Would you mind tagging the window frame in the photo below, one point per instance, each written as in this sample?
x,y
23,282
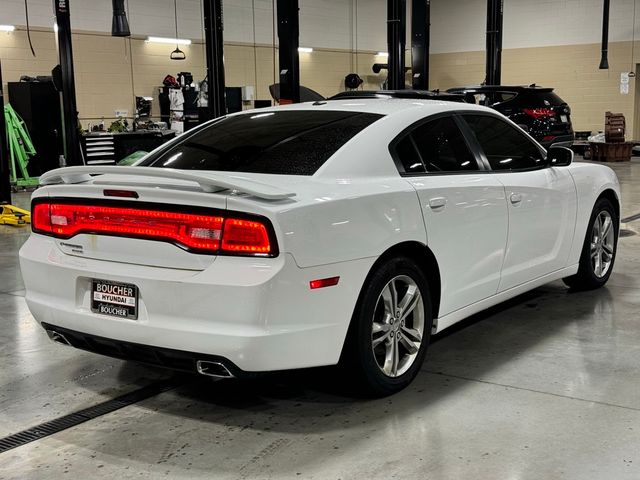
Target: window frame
x,y
468,131
480,162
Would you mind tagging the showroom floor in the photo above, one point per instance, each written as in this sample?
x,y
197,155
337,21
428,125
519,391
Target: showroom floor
x,y
544,387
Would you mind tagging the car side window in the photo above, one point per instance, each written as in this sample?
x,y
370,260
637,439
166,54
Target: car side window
x,y
408,156
442,146
505,147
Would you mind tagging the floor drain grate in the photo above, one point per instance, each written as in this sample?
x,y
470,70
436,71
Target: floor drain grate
x,y
62,423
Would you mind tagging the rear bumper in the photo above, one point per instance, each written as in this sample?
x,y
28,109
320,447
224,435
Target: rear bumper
x,y
559,141
257,314
178,360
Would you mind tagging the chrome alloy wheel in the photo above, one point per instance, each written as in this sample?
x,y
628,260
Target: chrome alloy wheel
x,y
602,244
398,326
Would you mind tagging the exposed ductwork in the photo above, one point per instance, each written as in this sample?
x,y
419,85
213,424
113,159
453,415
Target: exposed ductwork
x,y
119,25
604,59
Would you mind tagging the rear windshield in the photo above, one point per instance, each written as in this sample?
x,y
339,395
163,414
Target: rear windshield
x,y
285,142
537,99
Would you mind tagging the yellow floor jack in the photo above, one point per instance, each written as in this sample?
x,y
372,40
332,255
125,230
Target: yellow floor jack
x,y
10,215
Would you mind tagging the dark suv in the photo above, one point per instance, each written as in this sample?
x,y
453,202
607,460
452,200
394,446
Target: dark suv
x,y
539,111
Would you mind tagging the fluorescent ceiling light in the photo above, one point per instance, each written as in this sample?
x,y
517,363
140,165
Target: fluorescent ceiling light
x,y
171,41
305,49
383,54
7,28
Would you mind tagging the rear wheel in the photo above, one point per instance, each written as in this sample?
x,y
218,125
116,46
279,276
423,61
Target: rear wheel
x,y
390,329
598,250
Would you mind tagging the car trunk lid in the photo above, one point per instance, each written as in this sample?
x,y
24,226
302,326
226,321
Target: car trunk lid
x,y
145,216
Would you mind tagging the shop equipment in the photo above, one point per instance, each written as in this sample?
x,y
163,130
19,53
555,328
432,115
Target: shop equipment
x,y
10,215
20,149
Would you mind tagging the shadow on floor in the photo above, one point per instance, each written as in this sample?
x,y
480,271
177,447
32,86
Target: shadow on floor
x,y
312,400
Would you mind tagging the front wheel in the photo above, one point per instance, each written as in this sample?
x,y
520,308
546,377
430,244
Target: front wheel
x,y
390,328
598,250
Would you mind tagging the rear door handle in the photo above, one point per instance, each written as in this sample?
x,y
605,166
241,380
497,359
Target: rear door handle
x,y
437,202
515,198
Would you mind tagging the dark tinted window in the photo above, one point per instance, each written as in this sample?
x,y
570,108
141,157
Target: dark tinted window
x,y
442,146
505,147
541,99
285,142
408,156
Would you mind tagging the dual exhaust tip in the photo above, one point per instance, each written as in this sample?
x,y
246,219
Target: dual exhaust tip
x,y
213,369
204,367
58,338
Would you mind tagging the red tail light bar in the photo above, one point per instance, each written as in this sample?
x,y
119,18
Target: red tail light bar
x,y
540,112
220,232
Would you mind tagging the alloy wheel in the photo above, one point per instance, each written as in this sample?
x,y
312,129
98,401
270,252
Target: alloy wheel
x,y
398,326
602,244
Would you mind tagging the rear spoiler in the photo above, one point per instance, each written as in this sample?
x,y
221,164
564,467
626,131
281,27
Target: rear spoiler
x,y
208,182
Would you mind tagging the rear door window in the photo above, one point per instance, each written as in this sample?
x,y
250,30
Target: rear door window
x,y
442,146
505,147
284,142
436,146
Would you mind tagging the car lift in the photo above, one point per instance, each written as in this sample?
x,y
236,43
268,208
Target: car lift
x,y
20,149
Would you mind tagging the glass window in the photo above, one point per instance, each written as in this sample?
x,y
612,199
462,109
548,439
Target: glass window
x,y
505,147
408,156
285,142
442,146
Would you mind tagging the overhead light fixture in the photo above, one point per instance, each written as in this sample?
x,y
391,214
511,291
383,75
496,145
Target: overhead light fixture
x,y
170,41
177,54
7,28
119,25
382,54
305,49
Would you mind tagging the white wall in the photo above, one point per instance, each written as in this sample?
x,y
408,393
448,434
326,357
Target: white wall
x,y
459,25
323,23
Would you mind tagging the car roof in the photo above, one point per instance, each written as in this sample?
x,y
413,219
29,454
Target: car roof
x,y
381,106
501,88
407,93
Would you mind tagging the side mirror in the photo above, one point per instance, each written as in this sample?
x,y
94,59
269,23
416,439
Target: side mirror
x,y
559,156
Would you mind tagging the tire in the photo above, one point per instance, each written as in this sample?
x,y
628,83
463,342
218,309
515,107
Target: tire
x,y
591,274
376,371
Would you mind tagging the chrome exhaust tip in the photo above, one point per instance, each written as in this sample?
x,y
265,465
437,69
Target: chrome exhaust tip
x,y
58,338
213,369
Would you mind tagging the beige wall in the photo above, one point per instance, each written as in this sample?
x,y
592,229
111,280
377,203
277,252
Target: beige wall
x,y
109,71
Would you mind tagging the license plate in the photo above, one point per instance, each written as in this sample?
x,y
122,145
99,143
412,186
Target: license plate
x,y
114,299
563,118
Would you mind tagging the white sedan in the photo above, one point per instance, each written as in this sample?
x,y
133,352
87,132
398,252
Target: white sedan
x,y
339,232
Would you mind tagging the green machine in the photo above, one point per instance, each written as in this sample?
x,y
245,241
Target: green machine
x,y
21,149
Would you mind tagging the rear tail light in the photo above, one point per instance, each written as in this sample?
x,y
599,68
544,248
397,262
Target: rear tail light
x,y
540,112
199,233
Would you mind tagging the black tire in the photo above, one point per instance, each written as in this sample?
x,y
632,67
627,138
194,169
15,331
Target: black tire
x,y
358,357
586,278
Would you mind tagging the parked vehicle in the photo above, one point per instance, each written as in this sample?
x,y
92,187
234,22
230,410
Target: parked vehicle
x,y
537,110
339,232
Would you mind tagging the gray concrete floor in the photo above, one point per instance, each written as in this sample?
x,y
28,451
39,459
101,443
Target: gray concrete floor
x,y
546,386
